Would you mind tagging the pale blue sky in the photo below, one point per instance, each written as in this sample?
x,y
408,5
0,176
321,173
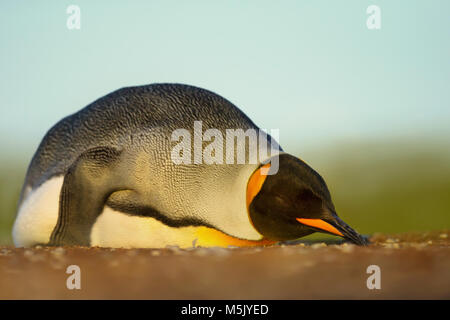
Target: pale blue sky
x,y
310,68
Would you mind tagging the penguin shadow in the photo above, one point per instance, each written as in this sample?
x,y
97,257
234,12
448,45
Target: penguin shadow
x,y
326,241
304,242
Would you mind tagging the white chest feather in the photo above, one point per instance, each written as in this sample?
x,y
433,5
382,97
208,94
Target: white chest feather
x,y
38,214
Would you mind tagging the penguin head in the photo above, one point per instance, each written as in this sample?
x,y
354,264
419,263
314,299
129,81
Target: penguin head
x,y
293,203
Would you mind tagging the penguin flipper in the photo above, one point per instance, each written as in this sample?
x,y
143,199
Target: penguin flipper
x,y
87,184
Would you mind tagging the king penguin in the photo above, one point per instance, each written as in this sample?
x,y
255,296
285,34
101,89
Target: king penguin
x,y
105,176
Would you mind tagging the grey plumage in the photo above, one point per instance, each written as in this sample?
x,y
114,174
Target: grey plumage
x,y
123,117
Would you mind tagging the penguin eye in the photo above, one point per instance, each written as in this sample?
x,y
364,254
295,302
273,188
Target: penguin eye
x,y
280,200
282,204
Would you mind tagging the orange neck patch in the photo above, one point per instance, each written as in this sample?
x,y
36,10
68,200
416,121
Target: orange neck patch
x,y
255,183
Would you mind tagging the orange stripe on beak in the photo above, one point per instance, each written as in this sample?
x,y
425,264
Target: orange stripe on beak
x,y
320,224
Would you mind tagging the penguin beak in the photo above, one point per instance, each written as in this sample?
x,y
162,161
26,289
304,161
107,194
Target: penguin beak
x,y
337,227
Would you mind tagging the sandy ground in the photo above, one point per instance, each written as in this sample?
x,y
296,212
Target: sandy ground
x,y
413,266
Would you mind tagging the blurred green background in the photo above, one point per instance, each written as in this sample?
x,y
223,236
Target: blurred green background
x,y
368,109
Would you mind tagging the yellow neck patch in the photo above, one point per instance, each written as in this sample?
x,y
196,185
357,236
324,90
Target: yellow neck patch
x,y
208,237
